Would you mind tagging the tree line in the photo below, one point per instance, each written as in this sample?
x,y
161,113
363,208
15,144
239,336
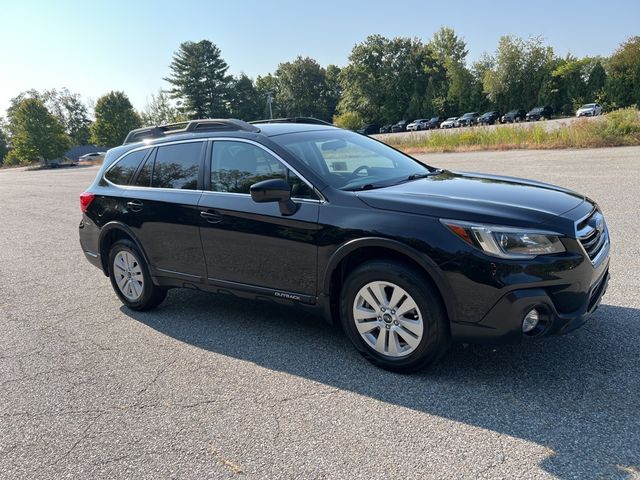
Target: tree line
x,y
385,80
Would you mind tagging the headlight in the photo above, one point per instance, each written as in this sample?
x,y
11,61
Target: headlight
x,y
506,242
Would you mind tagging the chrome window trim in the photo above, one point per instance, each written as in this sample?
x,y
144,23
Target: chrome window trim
x,y
322,198
245,195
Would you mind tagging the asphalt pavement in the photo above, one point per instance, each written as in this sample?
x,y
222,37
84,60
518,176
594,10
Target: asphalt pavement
x,y
213,387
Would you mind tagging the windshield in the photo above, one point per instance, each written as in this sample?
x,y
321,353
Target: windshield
x,y
349,161
588,105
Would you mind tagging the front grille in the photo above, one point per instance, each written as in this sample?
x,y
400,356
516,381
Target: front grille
x,y
591,232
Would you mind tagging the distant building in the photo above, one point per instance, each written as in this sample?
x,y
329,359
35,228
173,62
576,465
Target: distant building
x,y
76,152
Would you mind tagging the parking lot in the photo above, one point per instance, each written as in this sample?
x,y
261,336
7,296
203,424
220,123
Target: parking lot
x,y
212,387
547,124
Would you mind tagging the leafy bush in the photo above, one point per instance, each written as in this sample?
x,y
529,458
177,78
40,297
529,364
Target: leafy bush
x,y
349,120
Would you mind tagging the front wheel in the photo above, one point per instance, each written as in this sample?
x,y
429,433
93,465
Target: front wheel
x,y
393,316
130,277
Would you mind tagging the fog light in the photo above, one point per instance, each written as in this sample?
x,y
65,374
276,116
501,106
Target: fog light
x,y
530,321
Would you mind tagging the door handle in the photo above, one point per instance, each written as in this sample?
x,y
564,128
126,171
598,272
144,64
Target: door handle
x,y
211,217
135,206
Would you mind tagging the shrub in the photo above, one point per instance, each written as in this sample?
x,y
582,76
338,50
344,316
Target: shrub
x,y
349,120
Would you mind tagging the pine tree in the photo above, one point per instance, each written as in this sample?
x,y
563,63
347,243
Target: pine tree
x,y
200,81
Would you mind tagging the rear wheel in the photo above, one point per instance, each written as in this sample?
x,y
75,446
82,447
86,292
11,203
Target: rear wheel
x,y
131,279
393,316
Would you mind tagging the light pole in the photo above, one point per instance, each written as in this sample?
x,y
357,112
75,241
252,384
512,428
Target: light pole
x,y
269,102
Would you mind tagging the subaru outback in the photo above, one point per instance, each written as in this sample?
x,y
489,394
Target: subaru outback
x,y
405,256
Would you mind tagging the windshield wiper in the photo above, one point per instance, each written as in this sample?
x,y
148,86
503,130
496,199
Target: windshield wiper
x,y
417,176
366,186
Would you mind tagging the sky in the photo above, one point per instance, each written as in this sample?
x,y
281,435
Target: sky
x,y
93,47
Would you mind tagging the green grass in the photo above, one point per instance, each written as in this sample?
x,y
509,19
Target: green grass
x,y
619,128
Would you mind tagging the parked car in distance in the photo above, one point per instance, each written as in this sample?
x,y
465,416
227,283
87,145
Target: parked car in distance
x,y
468,119
92,157
450,122
419,124
489,118
514,116
590,110
540,113
434,122
369,129
406,256
386,128
401,126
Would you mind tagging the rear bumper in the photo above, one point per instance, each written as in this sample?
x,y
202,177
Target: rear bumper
x,y
94,258
88,234
503,323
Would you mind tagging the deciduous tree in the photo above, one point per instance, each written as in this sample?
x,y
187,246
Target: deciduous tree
x,y
383,79
4,148
302,89
115,117
160,111
623,86
245,102
521,68
67,107
36,135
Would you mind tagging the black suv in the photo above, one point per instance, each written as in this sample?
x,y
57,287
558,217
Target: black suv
x,y
407,257
434,122
514,116
540,113
489,118
469,119
370,129
400,126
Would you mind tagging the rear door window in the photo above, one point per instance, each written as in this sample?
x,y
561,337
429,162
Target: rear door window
x,y
177,166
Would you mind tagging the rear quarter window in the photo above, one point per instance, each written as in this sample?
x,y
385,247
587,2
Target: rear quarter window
x,y
122,171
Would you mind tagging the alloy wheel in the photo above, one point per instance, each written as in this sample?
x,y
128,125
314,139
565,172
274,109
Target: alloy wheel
x,y
128,275
388,319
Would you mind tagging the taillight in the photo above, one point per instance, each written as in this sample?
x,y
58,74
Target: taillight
x,y
85,200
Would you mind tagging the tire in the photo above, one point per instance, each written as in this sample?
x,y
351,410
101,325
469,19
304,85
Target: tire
x,y
130,277
411,340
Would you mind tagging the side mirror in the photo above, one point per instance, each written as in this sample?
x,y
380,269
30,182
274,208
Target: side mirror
x,y
274,190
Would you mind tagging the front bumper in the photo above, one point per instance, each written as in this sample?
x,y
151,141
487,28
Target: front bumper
x,y
503,323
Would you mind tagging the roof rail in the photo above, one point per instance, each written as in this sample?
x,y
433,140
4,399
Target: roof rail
x,y
310,120
192,126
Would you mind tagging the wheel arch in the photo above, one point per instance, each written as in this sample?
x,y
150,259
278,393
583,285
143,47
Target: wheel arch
x,y
356,252
111,233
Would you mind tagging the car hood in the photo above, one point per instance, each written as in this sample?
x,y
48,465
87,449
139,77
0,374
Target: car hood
x,y
587,109
482,198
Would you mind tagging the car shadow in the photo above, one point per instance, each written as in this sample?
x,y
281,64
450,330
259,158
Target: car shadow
x,y
576,395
